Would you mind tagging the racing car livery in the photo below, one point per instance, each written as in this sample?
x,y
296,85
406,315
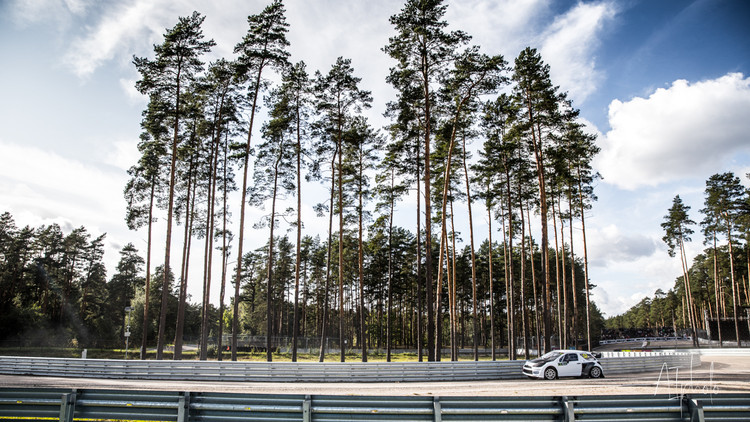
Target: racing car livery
x,y
564,363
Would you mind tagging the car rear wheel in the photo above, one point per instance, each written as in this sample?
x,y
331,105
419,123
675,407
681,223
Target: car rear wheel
x,y
550,373
595,372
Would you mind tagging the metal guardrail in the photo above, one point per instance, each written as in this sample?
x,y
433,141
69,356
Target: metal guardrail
x,y
629,363
110,405
714,350
721,351
312,371
642,339
262,371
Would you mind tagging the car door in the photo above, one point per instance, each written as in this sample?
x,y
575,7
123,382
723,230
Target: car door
x,y
569,365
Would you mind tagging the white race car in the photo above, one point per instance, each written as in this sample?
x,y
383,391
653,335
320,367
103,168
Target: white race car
x,y
563,363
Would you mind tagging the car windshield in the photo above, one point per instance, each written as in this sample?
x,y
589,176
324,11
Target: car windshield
x,y
551,356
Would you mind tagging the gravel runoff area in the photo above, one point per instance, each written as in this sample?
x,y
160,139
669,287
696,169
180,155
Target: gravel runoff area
x,y
716,374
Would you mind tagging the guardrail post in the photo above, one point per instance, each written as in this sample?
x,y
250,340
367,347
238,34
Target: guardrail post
x,y
438,413
568,409
67,406
306,413
183,407
696,409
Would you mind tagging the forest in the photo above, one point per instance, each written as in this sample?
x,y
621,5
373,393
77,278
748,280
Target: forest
x,y
716,284
467,130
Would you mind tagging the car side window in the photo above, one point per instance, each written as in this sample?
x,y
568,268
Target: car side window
x,y
570,357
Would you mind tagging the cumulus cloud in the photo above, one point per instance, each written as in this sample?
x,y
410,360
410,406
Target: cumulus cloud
x,y
61,11
569,46
58,186
499,26
356,31
609,244
114,34
684,130
132,94
127,28
39,187
568,43
123,154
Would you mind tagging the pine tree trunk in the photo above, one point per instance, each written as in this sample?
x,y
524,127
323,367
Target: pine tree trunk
x,y
539,155
557,278
735,292
716,292
208,260
574,290
473,258
224,259
168,246
324,312
341,242
183,270
269,281
420,346
689,295
388,330
564,332
585,263
510,293
438,296
295,324
360,262
534,285
144,336
240,241
433,350
453,292
491,281
524,312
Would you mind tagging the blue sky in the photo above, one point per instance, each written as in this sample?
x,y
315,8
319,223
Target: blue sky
x,y
665,85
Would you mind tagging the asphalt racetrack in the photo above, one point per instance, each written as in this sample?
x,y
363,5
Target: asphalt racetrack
x,y
716,374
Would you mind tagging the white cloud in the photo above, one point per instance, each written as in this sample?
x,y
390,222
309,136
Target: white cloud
x,y
569,44
122,154
58,187
61,11
77,7
40,188
114,34
626,267
125,29
345,29
686,130
499,26
611,245
128,87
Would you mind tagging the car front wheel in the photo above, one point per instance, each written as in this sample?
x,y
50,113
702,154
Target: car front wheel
x,y
550,374
595,372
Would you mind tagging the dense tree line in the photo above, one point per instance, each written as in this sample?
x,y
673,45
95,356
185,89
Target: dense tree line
x,y
54,286
369,281
715,284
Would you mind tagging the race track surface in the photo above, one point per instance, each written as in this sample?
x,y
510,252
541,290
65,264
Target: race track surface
x,y
716,374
